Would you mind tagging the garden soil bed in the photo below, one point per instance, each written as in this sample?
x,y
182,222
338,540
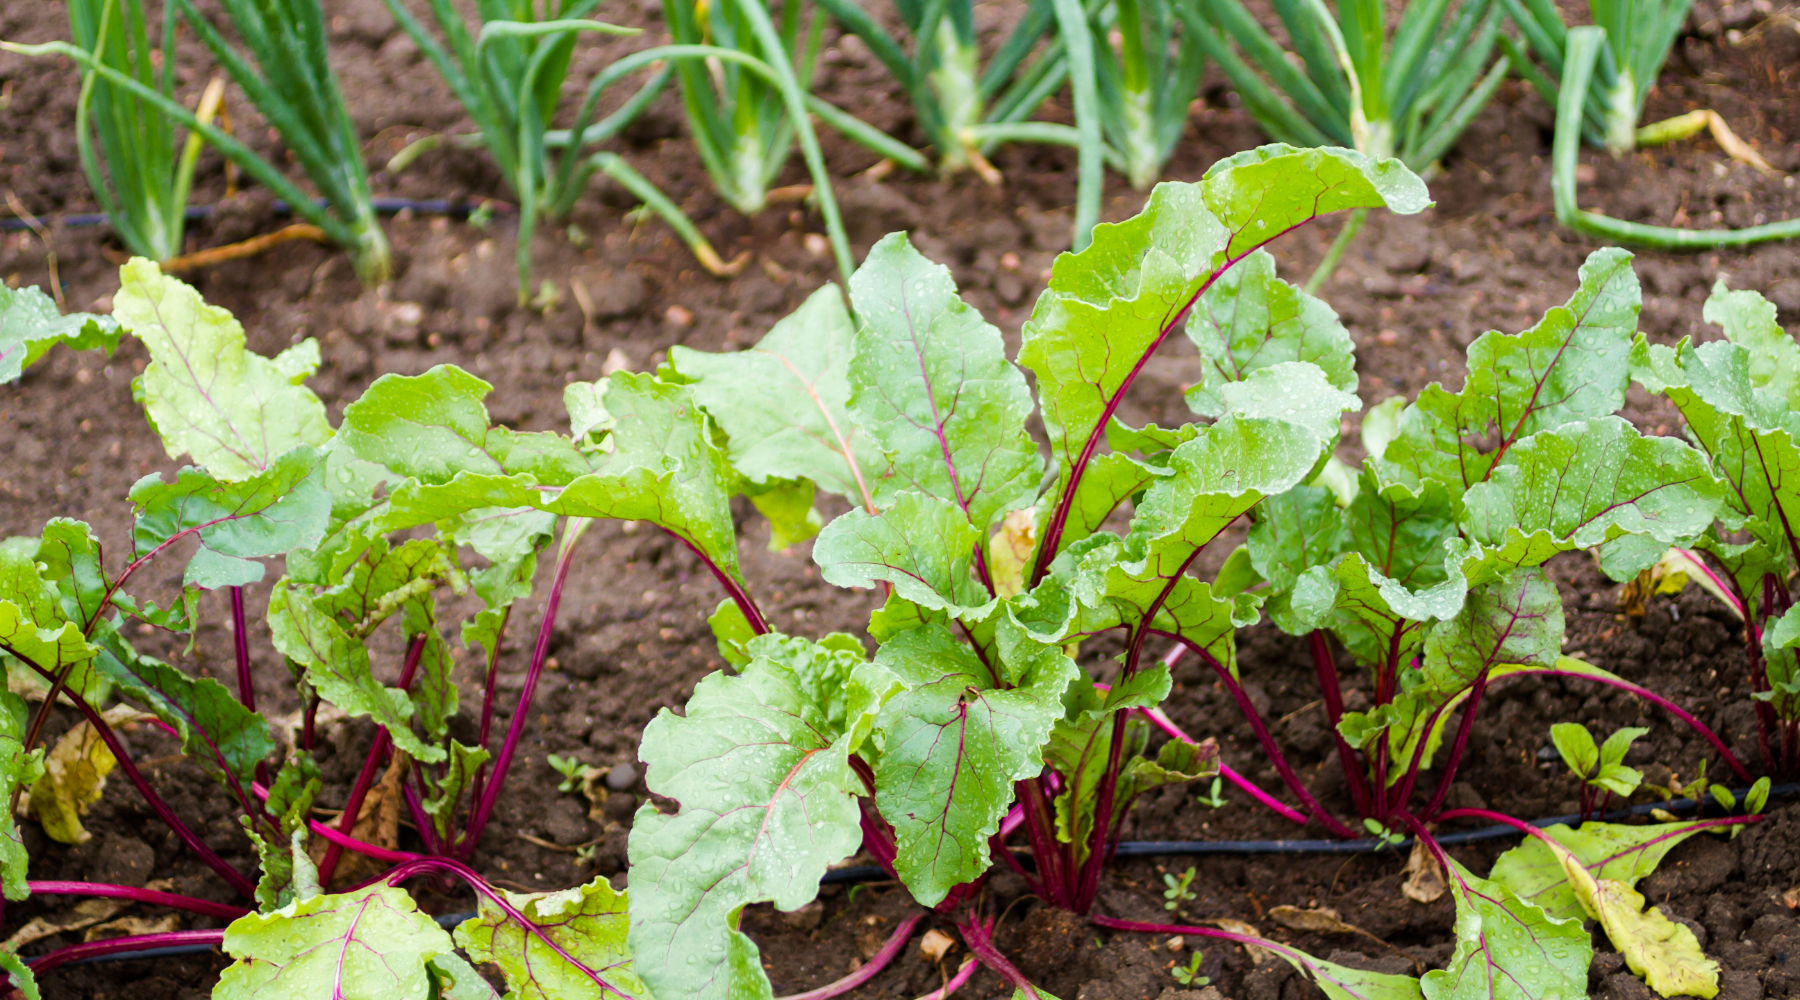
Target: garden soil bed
x,y
632,639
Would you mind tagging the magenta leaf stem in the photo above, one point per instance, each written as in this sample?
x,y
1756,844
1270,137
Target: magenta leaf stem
x,y
419,866
487,696
205,907
132,943
957,982
977,935
1454,761
241,645
1332,691
735,590
1267,739
490,792
896,943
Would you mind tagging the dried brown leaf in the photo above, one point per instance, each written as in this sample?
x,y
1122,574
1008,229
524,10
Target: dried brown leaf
x,y
1424,877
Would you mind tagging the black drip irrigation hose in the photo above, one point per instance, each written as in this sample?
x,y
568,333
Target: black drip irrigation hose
x,y
1131,849
387,206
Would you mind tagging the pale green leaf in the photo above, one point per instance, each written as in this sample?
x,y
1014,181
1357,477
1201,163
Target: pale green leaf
x,y
373,942
234,411
18,769
289,808
30,324
1507,948
1515,619
784,402
767,804
463,764
574,946
930,384
1749,321
1613,851
1576,746
265,513
921,544
952,744
1250,320
789,508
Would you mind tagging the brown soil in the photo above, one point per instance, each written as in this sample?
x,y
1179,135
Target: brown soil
x,y
632,640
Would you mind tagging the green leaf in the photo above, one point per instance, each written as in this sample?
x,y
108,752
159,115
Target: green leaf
x,y
1295,391
217,732
951,747
789,508
1570,366
1379,618
930,384
784,403
731,631
1617,745
1587,483
1576,746
1081,742
1261,193
337,665
464,762
1249,320
1507,948
1515,619
289,806
1613,851
576,943
30,324
1749,321
664,468
921,544
433,426
455,979
18,769
369,943
1294,531
264,514
234,411
1340,982
768,803
22,978
35,621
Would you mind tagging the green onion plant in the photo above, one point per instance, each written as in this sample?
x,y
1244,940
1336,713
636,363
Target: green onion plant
x,y
287,76
1585,49
141,173
1639,35
1346,82
1144,85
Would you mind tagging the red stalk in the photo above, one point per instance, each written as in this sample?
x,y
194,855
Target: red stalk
x,y
490,792
1263,736
113,946
241,644
975,934
365,779
487,699
957,982
1332,691
1045,850
896,943
1454,761
153,897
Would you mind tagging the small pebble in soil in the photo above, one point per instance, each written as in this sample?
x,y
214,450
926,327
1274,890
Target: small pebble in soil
x,y
621,777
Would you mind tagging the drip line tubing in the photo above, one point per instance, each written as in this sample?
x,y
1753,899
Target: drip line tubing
x,y
1138,849
388,206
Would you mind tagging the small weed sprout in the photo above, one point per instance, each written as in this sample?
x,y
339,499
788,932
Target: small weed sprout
x,y
1214,797
574,772
1178,892
1380,831
1189,974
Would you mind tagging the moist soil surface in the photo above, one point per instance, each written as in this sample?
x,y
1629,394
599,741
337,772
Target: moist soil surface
x,y
631,639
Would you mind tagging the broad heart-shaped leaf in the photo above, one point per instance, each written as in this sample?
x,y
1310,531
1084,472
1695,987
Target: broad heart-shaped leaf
x,y
432,426
30,325
36,624
1507,948
1250,320
356,516
1109,306
1662,951
768,803
1624,854
1570,366
1749,321
1515,619
921,544
1294,531
264,514
952,744
664,468
783,403
587,923
369,943
235,412
217,732
337,666
930,384
1584,484
289,807
1401,531
18,769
